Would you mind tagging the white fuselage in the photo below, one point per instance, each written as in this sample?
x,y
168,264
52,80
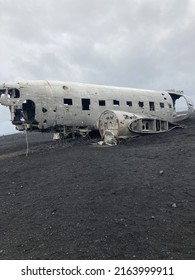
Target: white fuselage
x,y
54,105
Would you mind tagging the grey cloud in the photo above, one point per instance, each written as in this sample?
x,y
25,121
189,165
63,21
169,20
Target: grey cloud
x,y
135,43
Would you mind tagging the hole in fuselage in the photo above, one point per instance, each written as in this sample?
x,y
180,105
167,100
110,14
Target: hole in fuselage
x,y
28,108
181,105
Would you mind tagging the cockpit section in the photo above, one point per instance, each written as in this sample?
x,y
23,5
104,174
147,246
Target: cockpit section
x,y
22,111
10,93
2,92
8,96
3,97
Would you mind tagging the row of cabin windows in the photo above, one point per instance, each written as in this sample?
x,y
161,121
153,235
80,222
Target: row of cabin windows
x,y
86,103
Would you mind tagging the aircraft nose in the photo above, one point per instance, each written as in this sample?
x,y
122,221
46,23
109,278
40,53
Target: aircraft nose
x,y
3,96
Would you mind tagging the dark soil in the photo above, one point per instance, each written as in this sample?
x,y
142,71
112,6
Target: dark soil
x,y
79,200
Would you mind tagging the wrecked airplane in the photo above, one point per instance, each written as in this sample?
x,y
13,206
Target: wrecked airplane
x,y
64,108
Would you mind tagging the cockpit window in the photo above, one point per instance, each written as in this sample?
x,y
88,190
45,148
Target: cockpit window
x,y
13,93
2,92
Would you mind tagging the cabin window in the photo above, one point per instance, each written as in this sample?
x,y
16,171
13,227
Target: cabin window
x,y
141,104
162,105
116,102
102,103
129,103
67,101
85,104
151,104
13,93
170,106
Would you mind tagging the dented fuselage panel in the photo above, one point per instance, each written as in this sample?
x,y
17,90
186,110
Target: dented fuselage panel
x,y
63,107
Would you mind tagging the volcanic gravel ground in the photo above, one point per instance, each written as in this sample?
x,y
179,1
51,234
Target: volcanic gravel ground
x,y
79,200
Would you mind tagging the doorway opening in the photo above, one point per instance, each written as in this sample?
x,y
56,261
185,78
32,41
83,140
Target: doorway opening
x,y
28,108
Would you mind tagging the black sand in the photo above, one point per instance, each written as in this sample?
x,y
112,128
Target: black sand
x,y
78,200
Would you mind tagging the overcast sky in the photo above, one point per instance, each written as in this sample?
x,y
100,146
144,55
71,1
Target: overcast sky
x,y
134,43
